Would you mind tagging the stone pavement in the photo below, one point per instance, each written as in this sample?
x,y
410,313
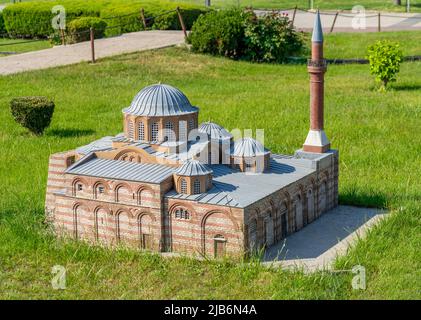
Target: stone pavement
x,y
318,244
389,21
70,54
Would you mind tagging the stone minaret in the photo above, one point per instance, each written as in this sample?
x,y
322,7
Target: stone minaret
x,y
316,139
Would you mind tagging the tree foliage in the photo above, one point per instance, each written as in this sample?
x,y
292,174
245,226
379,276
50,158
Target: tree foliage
x,y
385,58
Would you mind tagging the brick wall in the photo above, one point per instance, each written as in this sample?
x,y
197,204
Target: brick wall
x,y
197,233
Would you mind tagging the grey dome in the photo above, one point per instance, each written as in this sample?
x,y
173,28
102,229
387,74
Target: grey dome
x,y
193,168
248,147
214,131
160,100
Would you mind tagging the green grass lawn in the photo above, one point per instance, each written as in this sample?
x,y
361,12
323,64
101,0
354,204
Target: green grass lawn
x,y
378,135
14,46
304,4
354,45
321,4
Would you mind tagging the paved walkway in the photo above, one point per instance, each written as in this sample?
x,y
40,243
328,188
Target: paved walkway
x,y
318,244
70,54
347,21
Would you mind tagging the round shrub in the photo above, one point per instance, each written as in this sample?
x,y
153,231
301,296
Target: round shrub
x,y
220,33
33,113
244,35
78,29
271,38
385,58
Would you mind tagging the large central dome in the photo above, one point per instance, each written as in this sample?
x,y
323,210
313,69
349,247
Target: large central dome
x,y
160,100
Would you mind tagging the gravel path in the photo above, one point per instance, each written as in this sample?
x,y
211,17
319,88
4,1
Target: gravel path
x,y
70,54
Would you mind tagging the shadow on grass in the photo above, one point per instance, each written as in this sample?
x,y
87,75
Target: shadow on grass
x,y
68,133
355,198
406,87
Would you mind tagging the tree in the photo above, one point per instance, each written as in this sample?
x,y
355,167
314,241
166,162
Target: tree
x,y
385,58
397,2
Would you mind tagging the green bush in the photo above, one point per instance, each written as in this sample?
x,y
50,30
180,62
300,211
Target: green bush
x,y
220,33
271,39
2,26
241,34
78,30
33,113
385,58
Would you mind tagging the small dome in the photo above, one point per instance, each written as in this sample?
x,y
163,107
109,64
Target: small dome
x,y
214,131
193,168
160,100
248,147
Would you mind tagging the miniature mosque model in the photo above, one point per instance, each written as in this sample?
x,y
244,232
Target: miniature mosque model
x,y
168,184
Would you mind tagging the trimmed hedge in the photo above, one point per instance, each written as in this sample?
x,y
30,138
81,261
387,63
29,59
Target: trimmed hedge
x,y
78,29
33,113
126,18
33,19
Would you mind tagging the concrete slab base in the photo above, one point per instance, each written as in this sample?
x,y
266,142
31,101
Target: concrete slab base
x,y
316,246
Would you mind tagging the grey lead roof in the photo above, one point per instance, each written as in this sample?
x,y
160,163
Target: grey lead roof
x,y
317,29
248,147
193,168
121,170
238,189
102,144
160,100
214,131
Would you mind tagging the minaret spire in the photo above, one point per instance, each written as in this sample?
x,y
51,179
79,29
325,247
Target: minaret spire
x,y
316,139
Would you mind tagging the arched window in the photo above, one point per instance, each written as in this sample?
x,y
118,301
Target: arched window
x,y
169,131
99,190
182,130
183,186
250,164
141,131
196,187
154,131
130,129
191,124
182,214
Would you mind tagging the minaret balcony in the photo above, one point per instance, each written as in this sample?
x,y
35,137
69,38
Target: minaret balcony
x,y
317,64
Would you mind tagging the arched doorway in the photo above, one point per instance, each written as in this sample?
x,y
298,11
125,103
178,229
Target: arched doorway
x,y
104,227
219,246
281,230
269,236
323,197
145,232
253,235
298,212
310,206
